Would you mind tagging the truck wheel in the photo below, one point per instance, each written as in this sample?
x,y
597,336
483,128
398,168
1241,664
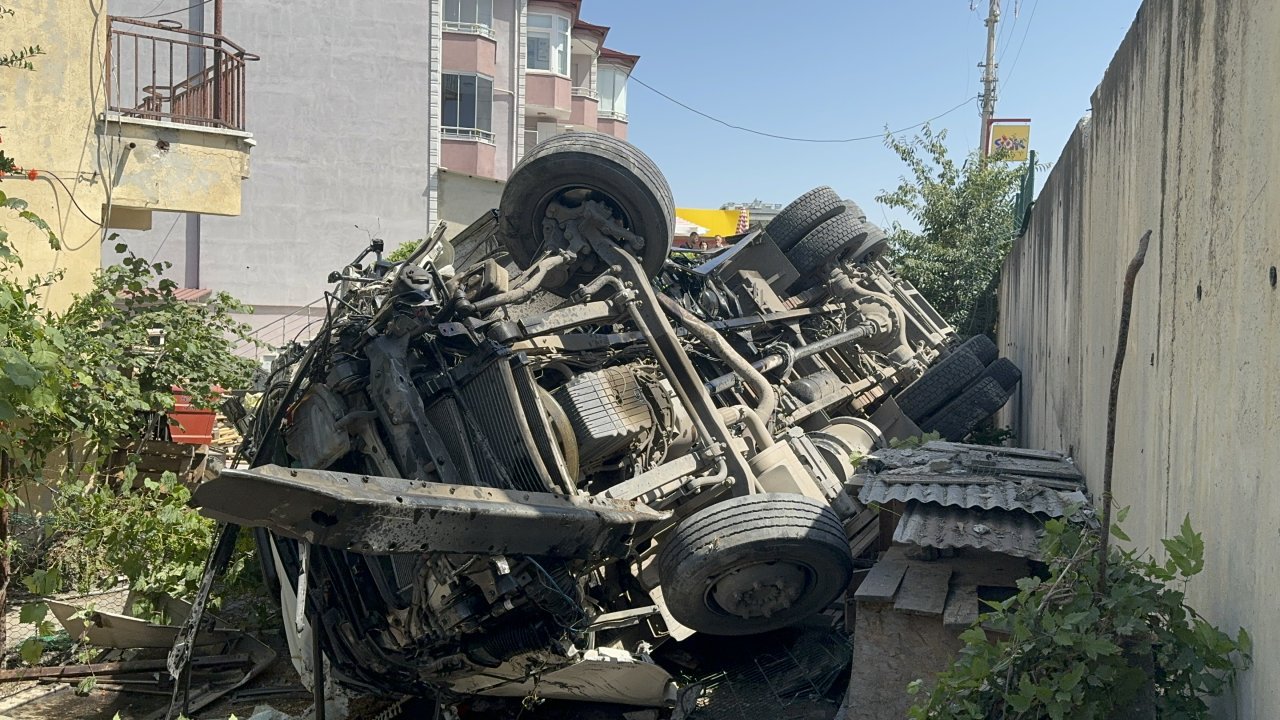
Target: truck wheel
x,y
826,242
1004,372
573,168
939,384
873,246
754,564
954,421
803,215
981,347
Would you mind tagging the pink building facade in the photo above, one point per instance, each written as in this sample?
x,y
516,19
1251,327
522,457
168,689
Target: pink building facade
x,y
507,74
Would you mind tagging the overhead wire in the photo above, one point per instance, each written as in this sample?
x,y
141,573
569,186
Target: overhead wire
x,y
793,138
170,12
1021,42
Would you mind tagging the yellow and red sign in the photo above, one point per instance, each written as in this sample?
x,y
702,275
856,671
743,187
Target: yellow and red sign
x,y
1013,140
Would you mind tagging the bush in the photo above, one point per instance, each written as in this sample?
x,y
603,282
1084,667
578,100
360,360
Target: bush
x,y
1060,649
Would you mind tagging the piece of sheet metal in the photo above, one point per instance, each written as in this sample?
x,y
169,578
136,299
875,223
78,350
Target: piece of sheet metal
x,y
377,515
1006,495
1014,533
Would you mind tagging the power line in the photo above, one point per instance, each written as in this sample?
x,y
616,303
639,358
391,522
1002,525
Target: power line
x,y
171,12
1018,54
791,138
1013,27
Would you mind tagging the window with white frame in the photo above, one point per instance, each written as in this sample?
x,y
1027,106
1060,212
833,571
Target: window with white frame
x,y
611,82
469,16
548,43
467,106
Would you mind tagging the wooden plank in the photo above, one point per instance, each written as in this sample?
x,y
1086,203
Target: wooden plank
x,y
881,583
990,479
1036,468
859,522
864,539
962,607
944,446
924,590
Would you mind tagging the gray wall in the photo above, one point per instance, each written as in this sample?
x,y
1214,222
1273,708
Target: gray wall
x,y
338,107
1183,140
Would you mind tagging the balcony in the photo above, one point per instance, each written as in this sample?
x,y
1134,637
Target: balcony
x,y
175,113
162,71
586,102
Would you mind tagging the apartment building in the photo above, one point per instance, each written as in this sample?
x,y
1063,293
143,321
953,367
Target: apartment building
x,y
380,120
513,73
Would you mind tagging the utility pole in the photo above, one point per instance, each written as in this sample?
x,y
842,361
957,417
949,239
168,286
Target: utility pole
x,y
989,76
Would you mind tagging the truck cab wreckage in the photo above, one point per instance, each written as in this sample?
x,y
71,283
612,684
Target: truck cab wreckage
x,y
518,470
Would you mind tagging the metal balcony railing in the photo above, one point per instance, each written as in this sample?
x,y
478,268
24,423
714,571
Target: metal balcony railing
x,y
585,92
163,71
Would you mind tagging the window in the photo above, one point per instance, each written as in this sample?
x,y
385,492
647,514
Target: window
x,y
469,16
467,107
613,91
548,43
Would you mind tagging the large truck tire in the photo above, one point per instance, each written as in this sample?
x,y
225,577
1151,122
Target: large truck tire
x,y
825,243
960,416
982,348
946,379
803,215
754,563
572,168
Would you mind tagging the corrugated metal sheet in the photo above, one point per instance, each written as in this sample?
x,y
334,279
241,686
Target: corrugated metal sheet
x,y
1012,533
1028,496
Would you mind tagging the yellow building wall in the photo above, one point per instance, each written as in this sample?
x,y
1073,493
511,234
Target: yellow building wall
x,y
717,222
54,122
49,116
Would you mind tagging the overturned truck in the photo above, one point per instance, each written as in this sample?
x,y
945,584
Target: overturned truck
x,y
516,464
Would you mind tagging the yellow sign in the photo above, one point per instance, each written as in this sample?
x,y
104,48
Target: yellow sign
x,y
1013,140
717,222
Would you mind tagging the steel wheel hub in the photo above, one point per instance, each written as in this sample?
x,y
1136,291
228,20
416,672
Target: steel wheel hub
x,y
759,590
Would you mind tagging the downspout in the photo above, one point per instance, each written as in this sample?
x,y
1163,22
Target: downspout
x,y
195,66
519,67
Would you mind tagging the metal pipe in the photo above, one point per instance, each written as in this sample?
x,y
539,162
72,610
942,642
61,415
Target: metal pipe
x,y
856,333
524,289
771,361
748,417
766,396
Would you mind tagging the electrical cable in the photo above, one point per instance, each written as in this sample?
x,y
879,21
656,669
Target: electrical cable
x,y
71,195
753,131
1021,43
171,12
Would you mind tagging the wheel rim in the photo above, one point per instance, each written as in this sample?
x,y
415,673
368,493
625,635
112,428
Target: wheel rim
x,y
760,590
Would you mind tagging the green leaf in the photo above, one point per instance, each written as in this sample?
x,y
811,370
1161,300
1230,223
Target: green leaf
x,y
31,650
1118,533
33,612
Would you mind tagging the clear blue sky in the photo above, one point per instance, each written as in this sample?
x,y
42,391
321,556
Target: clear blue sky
x,y
843,68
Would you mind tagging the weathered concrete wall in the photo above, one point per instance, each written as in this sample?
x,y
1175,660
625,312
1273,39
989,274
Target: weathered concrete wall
x,y
1183,140
338,107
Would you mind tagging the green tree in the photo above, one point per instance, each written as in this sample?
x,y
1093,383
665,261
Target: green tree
x,y
966,218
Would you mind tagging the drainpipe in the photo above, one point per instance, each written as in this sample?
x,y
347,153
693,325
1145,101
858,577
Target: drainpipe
x,y
195,66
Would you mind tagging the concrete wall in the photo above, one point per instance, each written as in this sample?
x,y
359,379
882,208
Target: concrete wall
x,y
338,105
1183,140
464,198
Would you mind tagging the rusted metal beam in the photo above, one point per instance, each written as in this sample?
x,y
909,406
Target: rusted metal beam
x,y
117,668
376,515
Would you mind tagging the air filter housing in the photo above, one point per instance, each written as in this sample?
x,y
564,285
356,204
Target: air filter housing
x,y
608,411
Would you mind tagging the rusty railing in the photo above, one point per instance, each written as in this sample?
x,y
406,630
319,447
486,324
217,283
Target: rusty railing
x,y
163,71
